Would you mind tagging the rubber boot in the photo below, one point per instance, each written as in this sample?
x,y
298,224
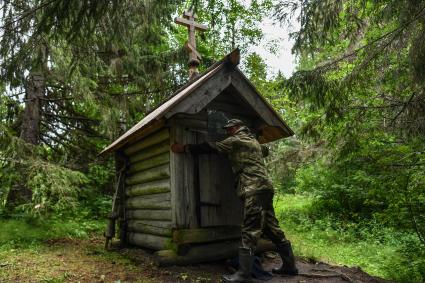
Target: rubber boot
x,y
288,260
245,267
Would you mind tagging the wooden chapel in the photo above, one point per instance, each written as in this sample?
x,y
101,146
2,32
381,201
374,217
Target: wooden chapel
x,y
185,207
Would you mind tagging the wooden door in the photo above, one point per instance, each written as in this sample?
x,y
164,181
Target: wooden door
x,y
218,202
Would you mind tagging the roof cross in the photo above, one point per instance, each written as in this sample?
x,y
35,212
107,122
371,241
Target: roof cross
x,y
188,20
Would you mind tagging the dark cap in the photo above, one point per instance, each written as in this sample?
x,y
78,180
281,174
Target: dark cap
x,y
233,122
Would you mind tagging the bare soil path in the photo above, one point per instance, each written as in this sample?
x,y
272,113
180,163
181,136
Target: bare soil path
x,y
66,260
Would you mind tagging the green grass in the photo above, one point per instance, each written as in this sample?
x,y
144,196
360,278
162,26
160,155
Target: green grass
x,y
374,248
31,232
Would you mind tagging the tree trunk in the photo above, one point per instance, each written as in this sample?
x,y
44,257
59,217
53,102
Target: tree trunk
x,y
19,193
30,131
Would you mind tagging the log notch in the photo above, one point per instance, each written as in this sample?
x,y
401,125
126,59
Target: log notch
x,y
147,191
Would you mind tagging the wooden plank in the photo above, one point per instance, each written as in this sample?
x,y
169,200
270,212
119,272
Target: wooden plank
x,y
154,242
152,174
182,183
151,151
155,201
148,141
231,204
159,228
219,202
154,223
147,214
154,187
206,235
209,193
207,252
150,163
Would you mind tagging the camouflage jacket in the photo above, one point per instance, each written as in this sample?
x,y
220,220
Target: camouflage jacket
x,y
247,158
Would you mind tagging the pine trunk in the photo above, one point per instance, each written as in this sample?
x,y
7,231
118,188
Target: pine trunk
x,y
30,131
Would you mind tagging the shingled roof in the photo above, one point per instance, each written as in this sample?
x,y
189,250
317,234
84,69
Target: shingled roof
x,y
160,112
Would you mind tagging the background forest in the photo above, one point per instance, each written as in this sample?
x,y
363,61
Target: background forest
x,y
75,75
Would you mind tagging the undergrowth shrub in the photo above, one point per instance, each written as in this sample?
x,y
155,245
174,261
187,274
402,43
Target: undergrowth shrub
x,y
380,250
55,188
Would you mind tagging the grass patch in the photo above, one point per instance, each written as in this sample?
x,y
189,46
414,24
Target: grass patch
x,y
30,232
376,249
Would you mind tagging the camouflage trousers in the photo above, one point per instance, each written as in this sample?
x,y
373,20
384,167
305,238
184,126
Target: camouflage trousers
x,y
259,218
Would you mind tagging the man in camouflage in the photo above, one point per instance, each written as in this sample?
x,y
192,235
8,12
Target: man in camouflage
x,y
256,190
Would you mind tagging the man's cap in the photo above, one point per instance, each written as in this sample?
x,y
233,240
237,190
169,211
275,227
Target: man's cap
x,y
233,122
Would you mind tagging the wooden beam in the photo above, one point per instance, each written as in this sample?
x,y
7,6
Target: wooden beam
x,y
157,228
205,235
154,242
147,214
148,141
207,252
152,174
151,151
150,163
154,187
188,23
234,57
141,204
190,48
155,201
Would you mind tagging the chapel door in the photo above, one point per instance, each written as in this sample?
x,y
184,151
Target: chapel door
x,y
219,204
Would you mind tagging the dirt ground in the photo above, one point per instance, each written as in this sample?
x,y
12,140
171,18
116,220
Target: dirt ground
x,y
66,260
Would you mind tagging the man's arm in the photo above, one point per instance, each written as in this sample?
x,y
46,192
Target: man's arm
x,y
223,147
203,148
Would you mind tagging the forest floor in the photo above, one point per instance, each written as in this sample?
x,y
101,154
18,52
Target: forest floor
x,y
85,260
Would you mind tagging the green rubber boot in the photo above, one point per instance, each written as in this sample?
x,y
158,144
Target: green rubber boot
x,y
288,260
245,267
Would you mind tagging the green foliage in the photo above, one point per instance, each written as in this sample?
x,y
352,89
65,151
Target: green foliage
x,y
379,250
31,232
53,187
358,103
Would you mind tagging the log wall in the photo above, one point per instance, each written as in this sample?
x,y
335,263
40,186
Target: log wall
x,y
148,191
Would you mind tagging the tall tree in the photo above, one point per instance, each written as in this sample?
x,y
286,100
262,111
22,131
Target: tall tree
x,y
361,87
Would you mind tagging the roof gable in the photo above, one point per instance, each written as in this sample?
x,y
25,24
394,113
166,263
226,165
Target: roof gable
x,y
197,94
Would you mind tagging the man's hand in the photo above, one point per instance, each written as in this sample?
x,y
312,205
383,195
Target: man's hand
x,y
177,148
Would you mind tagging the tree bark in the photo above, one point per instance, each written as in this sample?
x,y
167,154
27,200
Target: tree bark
x,y
30,131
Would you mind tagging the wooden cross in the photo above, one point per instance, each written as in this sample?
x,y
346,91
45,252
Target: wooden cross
x,y
188,21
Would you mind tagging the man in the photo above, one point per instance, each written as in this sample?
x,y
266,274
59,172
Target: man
x,y
256,190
